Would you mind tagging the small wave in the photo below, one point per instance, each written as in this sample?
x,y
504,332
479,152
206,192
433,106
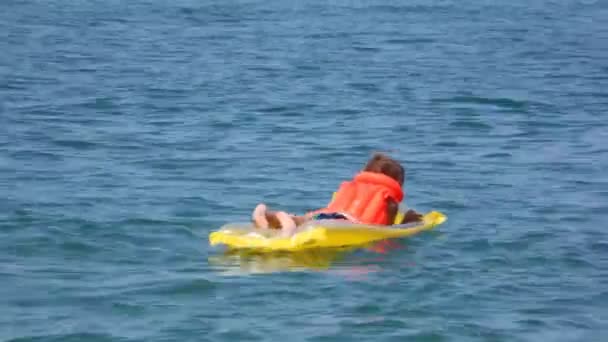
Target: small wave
x,y
404,41
499,102
409,9
81,145
449,143
497,155
470,124
174,287
365,48
368,87
72,337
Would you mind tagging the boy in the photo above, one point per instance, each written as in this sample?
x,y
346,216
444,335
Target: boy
x,y
371,197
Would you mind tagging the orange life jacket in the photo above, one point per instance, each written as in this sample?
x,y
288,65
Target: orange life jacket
x,y
365,198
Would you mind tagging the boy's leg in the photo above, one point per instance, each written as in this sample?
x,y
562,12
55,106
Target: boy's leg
x,y
259,216
265,218
300,220
288,225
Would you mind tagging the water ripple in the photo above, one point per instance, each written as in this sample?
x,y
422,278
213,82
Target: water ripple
x,y
129,131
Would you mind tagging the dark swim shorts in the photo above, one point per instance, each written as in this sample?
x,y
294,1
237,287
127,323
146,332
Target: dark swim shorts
x,y
330,216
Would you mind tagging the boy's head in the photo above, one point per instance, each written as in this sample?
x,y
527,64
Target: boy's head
x,y
381,163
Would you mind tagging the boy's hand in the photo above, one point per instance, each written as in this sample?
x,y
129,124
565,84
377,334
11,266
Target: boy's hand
x,y
411,216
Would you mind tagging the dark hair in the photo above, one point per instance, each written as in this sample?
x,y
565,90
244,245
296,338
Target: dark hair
x,y
381,163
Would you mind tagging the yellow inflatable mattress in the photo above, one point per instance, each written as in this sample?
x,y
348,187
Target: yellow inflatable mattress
x,y
318,234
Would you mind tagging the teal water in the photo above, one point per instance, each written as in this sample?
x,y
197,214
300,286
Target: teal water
x,y
129,130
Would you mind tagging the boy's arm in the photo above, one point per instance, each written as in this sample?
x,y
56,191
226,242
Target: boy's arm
x,y
392,210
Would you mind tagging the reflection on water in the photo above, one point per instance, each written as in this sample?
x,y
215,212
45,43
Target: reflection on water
x,y
243,262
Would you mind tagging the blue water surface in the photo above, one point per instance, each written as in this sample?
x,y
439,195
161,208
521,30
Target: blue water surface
x,y
129,130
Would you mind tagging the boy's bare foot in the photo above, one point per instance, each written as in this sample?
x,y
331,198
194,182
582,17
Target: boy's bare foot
x,y
259,216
